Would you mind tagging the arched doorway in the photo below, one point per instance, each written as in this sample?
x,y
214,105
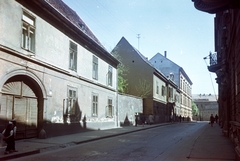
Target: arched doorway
x,y
22,99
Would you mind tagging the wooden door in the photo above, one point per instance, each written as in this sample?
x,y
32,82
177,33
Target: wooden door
x,y
20,102
25,112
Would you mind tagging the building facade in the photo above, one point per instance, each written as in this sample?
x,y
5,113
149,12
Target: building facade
x,y
207,105
180,78
225,62
158,92
55,76
128,107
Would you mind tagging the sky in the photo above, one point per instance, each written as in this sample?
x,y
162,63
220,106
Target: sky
x,y
155,26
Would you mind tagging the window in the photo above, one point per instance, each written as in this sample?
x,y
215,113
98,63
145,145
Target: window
x,y
176,98
94,104
70,103
109,76
28,32
157,88
73,56
109,112
170,92
163,91
95,67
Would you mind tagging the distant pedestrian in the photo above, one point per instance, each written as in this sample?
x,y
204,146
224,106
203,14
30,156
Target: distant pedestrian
x,y
211,120
136,119
8,137
216,118
143,119
151,119
180,118
14,134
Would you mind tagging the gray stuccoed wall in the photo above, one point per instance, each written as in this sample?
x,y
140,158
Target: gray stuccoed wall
x,y
128,106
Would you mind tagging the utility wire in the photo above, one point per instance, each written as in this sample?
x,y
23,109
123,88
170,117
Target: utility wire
x,y
91,17
94,18
211,79
117,18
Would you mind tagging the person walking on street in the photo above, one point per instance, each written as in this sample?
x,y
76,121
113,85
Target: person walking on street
x,y
216,118
151,119
142,117
136,119
211,120
14,134
8,137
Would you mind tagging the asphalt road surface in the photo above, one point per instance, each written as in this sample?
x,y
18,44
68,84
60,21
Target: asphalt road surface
x,y
173,142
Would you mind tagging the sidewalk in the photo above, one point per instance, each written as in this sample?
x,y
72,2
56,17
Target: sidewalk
x,y
211,144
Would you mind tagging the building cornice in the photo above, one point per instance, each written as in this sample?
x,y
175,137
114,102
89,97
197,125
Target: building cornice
x,y
46,11
39,62
215,6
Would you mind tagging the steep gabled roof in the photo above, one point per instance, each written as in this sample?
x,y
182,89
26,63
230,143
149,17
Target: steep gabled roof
x,y
160,55
73,17
143,58
179,67
65,19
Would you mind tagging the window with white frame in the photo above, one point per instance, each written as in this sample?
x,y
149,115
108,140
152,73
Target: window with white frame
x,y
70,103
109,110
28,32
73,56
94,104
95,67
157,88
109,75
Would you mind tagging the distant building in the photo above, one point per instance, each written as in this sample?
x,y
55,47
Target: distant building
x,y
207,105
160,94
179,77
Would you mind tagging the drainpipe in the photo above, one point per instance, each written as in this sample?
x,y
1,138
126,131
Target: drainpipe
x,y
117,117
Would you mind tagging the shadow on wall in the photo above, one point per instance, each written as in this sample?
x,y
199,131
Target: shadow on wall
x,y
73,120
126,122
46,128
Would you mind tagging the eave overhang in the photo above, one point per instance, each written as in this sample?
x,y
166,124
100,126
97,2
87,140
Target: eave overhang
x,y
51,15
214,6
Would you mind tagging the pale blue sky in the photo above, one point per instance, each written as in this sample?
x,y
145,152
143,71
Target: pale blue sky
x,y
174,26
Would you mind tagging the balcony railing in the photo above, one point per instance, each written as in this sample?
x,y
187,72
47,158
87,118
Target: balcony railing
x,y
214,62
213,59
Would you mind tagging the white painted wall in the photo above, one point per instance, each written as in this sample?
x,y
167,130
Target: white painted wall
x,y
159,96
52,48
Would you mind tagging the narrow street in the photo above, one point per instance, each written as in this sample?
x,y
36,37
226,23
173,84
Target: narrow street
x,y
173,142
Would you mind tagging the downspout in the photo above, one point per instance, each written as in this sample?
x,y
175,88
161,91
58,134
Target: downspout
x,y
117,114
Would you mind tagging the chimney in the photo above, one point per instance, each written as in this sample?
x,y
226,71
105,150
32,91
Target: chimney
x,y
165,54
